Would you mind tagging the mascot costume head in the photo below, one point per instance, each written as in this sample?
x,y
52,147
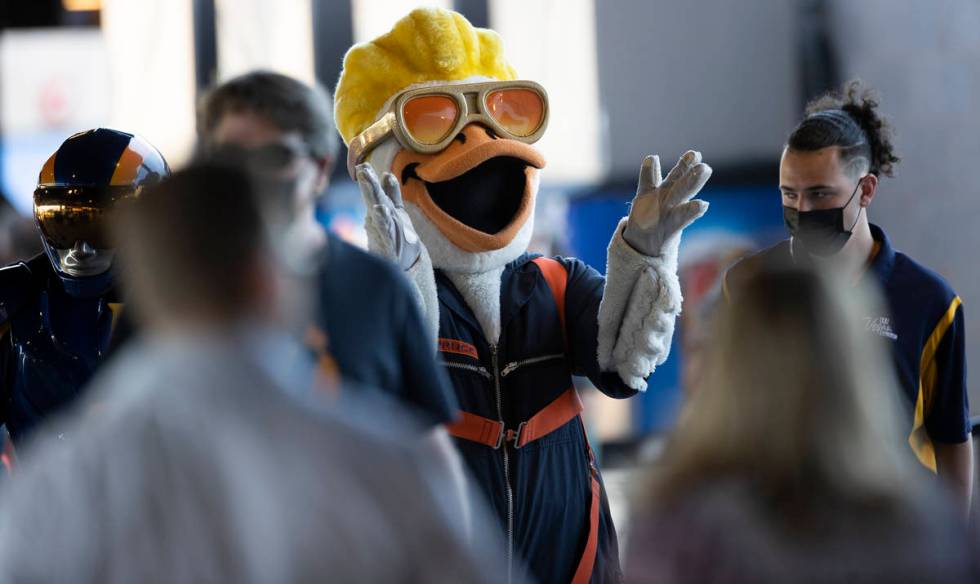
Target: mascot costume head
x,y
435,103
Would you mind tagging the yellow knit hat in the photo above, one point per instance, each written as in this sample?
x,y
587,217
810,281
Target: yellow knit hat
x,y
430,44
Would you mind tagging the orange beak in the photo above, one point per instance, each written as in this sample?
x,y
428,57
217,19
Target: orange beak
x,y
478,192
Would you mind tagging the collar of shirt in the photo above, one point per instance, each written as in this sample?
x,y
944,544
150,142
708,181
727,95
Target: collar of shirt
x,y
883,261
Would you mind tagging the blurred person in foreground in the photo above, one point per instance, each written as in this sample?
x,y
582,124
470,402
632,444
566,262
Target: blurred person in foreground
x,y
786,464
364,322
829,176
193,461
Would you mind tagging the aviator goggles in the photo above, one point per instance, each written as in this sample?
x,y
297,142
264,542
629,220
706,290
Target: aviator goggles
x,y
427,119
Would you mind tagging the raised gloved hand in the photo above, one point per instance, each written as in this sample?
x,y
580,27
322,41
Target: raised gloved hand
x,y
389,228
662,208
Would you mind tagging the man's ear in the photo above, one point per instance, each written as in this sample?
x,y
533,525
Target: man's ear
x,y
324,167
869,188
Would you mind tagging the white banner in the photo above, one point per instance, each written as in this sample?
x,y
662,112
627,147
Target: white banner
x,y
53,83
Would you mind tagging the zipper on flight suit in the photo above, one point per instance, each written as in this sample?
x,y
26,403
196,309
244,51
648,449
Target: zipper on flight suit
x,y
509,490
514,366
474,368
497,375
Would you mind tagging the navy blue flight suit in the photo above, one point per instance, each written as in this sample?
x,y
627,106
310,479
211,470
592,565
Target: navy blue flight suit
x,y
541,492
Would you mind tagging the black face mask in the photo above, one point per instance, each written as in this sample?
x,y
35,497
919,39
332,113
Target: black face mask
x,y
820,232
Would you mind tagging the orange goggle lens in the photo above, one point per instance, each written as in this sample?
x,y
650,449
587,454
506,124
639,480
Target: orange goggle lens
x,y
430,118
519,111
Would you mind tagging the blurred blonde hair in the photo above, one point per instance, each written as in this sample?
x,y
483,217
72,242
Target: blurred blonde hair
x,y
797,398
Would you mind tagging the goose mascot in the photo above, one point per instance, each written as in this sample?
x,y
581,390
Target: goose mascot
x,y
441,134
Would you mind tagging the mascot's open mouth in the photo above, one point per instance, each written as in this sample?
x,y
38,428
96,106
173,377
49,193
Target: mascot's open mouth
x,y
486,197
478,192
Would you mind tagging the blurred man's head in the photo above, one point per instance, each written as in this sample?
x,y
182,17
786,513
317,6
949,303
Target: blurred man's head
x,y
284,130
194,252
796,395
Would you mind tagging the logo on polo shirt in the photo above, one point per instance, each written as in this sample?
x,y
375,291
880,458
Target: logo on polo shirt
x,y
881,326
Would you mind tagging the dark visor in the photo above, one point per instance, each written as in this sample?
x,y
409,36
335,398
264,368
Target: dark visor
x,y
70,214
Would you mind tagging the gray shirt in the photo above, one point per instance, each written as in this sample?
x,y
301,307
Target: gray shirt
x,y
188,463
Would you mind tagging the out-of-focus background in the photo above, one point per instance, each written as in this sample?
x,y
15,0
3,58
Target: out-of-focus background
x,y
625,79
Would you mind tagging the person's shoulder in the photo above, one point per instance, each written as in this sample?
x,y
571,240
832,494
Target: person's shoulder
x,y
21,281
339,249
574,266
775,254
928,300
752,263
350,262
912,276
369,411
342,254
535,262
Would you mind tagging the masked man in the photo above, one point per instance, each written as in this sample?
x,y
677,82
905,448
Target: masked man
x,y
829,175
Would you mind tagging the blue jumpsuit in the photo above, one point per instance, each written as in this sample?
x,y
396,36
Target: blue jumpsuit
x,y
51,343
541,492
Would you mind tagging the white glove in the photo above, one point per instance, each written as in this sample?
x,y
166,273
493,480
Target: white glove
x,y
392,236
662,208
389,228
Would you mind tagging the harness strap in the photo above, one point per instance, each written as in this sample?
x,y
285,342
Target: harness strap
x,y
583,573
492,433
478,429
562,410
556,276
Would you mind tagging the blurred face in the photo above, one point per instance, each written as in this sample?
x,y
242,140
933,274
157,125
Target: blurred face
x,y
280,155
286,168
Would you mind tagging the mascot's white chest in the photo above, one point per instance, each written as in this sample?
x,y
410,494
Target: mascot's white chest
x,y
478,275
481,291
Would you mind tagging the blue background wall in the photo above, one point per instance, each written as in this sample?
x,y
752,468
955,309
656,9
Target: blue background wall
x,y
754,213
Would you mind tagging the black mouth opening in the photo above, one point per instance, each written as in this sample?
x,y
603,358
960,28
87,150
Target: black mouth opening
x,y
486,197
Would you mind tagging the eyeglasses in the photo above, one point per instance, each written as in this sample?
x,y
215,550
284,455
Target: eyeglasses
x,y
426,119
271,158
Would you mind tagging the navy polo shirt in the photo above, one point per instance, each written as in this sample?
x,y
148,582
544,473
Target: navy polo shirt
x,y
924,326
376,334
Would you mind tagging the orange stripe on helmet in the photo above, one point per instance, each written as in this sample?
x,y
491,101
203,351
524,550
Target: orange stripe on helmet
x,y
47,172
127,167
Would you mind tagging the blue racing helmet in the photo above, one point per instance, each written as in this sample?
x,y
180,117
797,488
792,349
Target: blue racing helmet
x,y
79,186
